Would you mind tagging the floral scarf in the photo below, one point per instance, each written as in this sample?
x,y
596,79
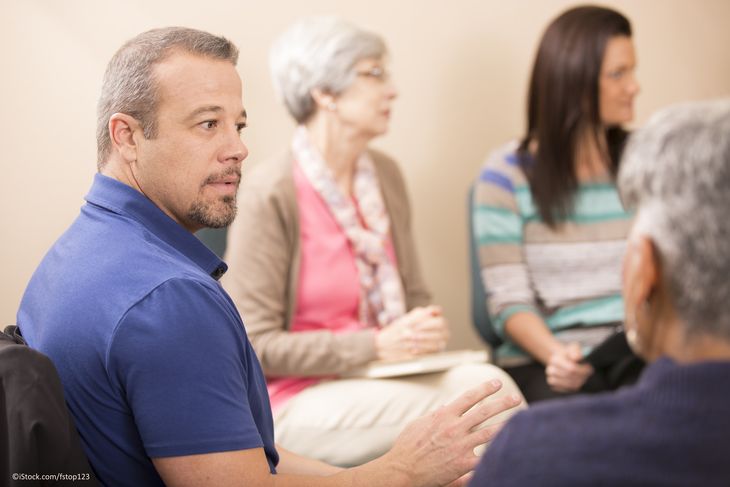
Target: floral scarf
x,y
381,292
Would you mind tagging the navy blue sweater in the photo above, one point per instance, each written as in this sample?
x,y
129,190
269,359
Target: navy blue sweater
x,y
670,429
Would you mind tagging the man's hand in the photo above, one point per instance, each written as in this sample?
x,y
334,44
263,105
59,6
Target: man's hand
x,y
435,450
565,372
420,331
439,448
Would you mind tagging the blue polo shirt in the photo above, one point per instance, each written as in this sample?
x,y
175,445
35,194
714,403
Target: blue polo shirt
x,y
152,353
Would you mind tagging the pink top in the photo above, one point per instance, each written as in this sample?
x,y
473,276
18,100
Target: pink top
x,y
328,292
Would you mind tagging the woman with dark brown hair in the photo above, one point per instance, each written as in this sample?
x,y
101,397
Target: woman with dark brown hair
x,y
548,221
671,428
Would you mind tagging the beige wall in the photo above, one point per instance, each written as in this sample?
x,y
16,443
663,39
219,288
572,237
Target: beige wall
x,y
461,67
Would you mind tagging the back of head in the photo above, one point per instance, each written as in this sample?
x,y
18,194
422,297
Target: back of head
x,y
676,172
129,86
319,52
563,101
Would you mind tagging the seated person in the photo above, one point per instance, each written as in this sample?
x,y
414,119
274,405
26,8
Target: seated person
x,y
673,427
322,259
549,226
154,359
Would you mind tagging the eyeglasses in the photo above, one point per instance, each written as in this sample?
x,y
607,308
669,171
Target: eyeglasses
x,y
376,72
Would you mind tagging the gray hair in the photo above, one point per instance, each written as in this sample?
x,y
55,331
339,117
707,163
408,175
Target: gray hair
x,y
318,52
676,171
129,85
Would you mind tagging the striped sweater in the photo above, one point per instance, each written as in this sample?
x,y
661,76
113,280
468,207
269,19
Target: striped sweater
x,y
569,276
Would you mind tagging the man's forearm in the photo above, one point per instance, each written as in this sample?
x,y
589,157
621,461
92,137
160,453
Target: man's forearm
x,y
293,463
385,471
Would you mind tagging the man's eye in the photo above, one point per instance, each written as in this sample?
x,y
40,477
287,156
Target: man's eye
x,y
210,124
240,127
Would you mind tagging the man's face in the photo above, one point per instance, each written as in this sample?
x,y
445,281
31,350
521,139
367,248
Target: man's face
x,y
192,168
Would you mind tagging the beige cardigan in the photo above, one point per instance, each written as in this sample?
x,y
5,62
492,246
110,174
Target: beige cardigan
x,y
263,259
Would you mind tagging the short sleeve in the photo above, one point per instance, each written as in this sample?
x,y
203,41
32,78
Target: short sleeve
x,y
179,357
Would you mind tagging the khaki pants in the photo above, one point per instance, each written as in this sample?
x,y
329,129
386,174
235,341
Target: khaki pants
x,y
348,422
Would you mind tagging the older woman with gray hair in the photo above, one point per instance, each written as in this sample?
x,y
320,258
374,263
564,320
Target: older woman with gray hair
x,y
673,427
323,264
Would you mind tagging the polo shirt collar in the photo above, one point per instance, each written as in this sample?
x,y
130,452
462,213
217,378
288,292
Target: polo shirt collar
x,y
121,199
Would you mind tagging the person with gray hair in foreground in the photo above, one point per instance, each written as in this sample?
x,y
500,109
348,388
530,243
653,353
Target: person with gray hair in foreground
x,y
323,264
154,359
673,426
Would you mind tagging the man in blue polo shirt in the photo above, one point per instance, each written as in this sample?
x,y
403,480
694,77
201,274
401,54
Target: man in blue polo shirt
x,y
156,366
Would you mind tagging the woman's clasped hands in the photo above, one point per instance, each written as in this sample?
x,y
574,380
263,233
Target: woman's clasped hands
x,y
422,330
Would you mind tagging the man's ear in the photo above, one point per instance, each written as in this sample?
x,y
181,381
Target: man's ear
x,y
122,130
641,270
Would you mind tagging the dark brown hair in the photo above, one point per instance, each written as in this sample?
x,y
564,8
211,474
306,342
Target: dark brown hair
x,y
563,104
